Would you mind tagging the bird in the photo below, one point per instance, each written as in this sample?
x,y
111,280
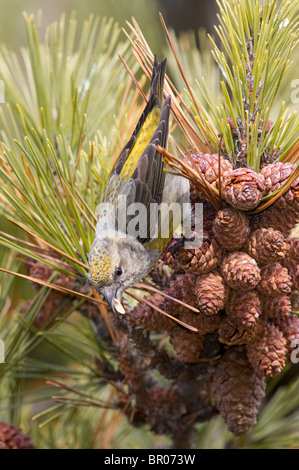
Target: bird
x,y
119,259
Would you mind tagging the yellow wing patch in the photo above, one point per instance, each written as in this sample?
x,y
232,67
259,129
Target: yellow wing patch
x,y
143,139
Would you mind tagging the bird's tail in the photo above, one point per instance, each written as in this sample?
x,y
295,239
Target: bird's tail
x,y
157,82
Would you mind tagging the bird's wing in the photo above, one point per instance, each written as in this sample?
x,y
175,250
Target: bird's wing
x,y
154,101
145,186
147,180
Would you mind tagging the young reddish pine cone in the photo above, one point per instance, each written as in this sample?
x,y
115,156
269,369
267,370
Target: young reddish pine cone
x,y
56,305
266,245
144,316
275,175
195,260
231,228
275,218
294,275
240,271
232,331
276,307
41,271
162,403
203,323
238,390
291,259
275,281
243,189
208,214
181,288
244,308
187,344
267,353
289,327
208,165
12,438
211,293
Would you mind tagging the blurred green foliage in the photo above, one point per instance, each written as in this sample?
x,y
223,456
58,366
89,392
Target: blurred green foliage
x,y
146,12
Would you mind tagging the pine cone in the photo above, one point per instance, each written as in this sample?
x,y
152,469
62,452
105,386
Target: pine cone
x,y
208,214
211,293
233,332
244,308
243,189
203,323
276,307
196,260
266,245
231,228
238,390
42,271
267,353
289,327
294,275
240,271
187,344
207,165
275,218
275,175
161,275
12,438
162,406
55,306
275,281
291,259
181,288
144,316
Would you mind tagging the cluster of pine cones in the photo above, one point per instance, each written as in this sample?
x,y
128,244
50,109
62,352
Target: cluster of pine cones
x,y
243,279
13,438
243,282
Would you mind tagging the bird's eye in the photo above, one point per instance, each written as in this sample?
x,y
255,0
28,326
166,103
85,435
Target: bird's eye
x,y
119,271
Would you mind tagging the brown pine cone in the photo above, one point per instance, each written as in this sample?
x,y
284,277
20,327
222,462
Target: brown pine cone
x,y
232,332
162,404
240,271
194,260
207,165
144,316
244,308
231,228
275,281
12,438
267,353
211,293
187,344
238,390
275,175
295,302
160,275
55,306
181,288
276,307
266,245
200,321
208,215
243,189
289,327
291,259
275,218
294,275
42,271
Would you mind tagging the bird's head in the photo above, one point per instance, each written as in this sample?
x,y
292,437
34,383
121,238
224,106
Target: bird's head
x,y
114,265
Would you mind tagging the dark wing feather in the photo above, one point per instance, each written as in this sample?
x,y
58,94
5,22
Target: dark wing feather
x,y
155,100
149,176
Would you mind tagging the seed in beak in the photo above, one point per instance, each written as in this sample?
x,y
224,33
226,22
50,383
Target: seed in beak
x,y
118,306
